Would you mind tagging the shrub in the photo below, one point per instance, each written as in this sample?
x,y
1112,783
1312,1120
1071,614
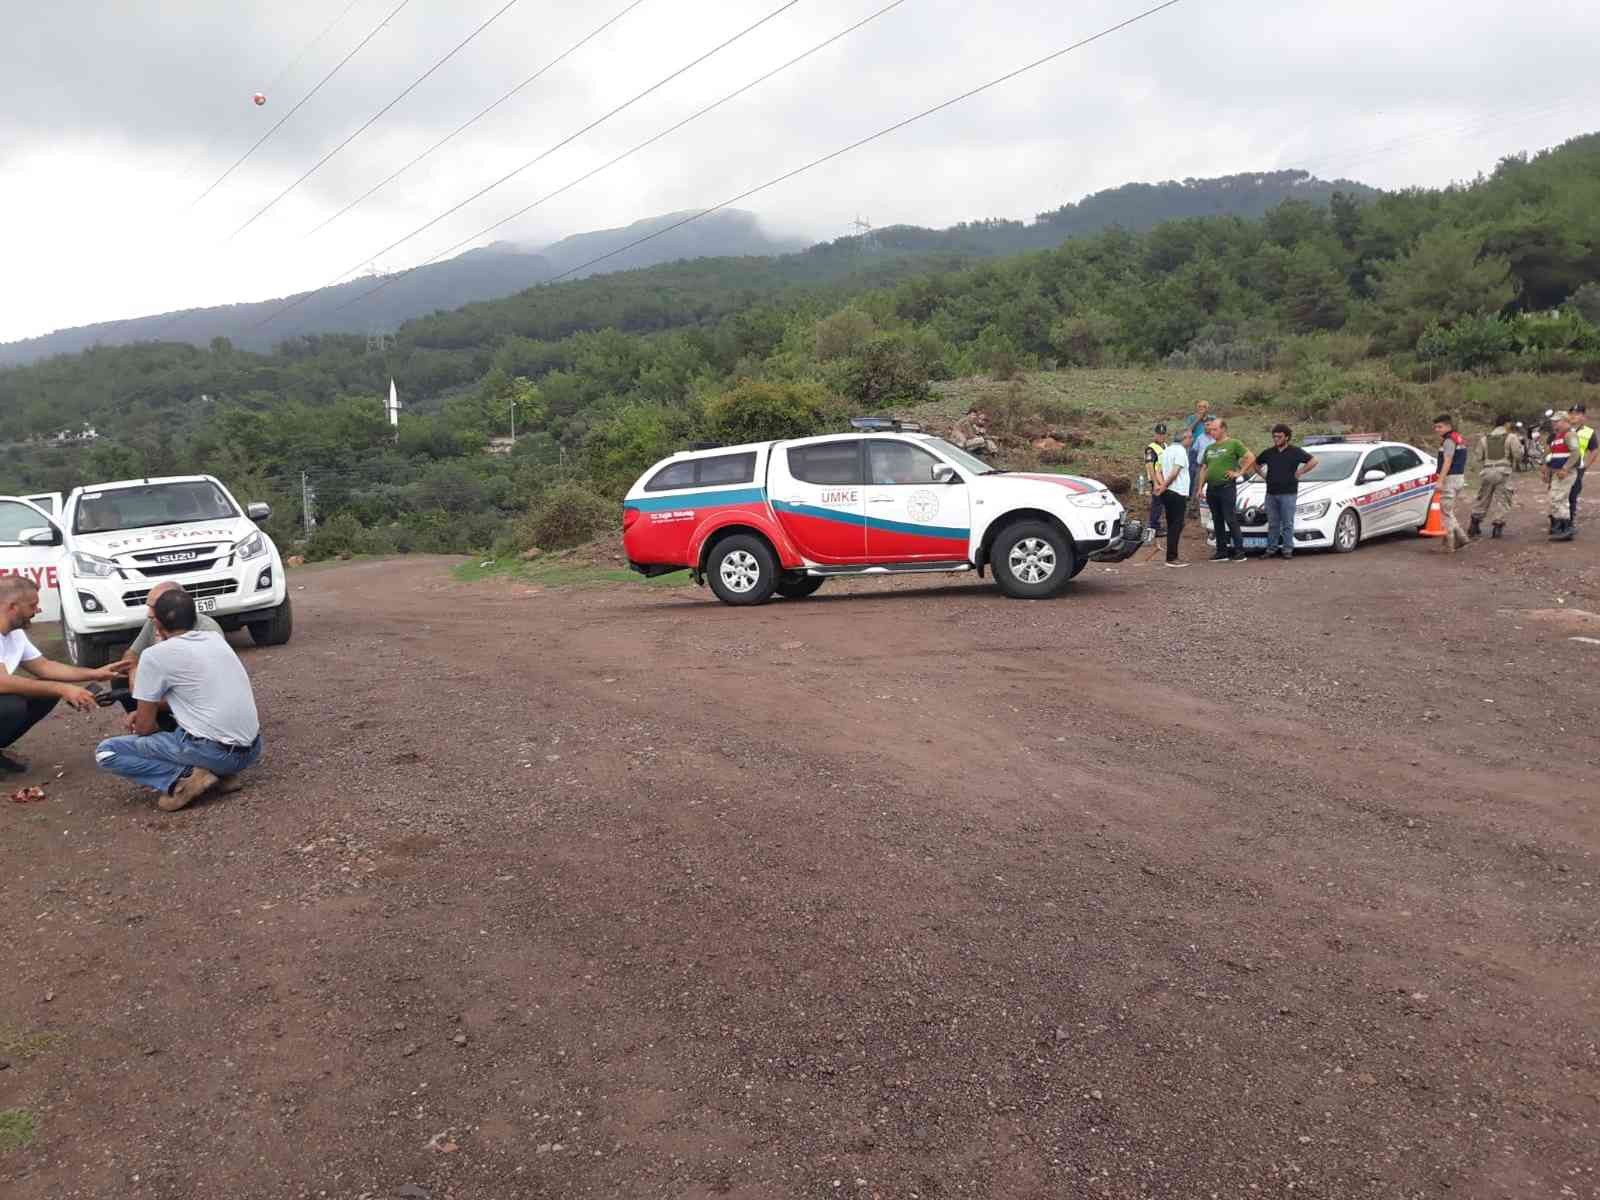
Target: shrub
x,y
567,515
844,333
1391,408
1311,391
337,537
755,410
1472,343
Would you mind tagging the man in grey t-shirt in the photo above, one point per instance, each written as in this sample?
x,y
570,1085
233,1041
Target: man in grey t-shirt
x,y
129,663
200,679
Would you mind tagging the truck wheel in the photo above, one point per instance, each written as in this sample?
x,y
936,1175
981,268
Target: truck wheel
x,y
275,630
1032,560
798,587
741,570
83,650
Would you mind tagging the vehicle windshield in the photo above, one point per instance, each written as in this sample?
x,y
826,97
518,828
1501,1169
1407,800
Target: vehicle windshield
x,y
152,504
959,456
1331,465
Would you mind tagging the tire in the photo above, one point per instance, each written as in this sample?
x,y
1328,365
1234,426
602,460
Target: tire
x,y
1347,532
276,629
83,650
1032,560
741,570
798,587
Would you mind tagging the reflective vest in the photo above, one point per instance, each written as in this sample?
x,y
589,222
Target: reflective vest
x,y
1585,440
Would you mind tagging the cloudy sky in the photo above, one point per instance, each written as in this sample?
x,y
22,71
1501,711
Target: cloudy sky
x,y
120,113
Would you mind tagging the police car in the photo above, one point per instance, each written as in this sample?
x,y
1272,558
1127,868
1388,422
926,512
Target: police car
x,y
782,518
97,556
1362,488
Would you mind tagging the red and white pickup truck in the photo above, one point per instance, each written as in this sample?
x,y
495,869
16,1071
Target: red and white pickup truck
x,y
784,517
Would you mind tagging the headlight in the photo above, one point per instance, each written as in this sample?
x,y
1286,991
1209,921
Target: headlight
x,y
91,566
1100,499
253,546
1314,511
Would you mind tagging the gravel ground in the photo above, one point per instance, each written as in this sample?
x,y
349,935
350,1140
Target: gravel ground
x,y
1277,879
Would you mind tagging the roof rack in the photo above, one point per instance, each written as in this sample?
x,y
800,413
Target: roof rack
x,y
884,425
1333,439
694,446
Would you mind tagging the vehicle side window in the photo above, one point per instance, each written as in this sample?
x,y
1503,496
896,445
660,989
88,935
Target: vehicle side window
x,y
1378,460
14,518
890,462
673,475
727,468
826,462
1402,459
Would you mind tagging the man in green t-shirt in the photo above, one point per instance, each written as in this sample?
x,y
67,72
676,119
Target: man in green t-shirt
x,y
1225,461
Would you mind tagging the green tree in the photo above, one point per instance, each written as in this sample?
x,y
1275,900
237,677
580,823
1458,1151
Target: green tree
x,y
1444,276
757,411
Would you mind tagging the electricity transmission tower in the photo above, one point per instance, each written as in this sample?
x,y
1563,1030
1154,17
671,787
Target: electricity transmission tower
x,y
868,237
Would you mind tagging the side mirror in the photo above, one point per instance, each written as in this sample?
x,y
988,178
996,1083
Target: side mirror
x,y
1373,476
258,511
944,474
47,535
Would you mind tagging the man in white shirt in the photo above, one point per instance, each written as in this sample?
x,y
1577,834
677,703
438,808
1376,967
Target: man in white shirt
x,y
1172,489
200,679
27,699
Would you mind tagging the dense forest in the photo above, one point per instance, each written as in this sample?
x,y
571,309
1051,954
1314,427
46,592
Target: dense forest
x,y
607,374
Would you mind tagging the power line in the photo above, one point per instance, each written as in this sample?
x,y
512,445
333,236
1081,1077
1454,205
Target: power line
x,y
371,121
648,142
856,145
376,29
568,140
275,80
554,62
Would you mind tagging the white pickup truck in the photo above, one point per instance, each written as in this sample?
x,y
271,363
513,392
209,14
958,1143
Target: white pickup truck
x,y
97,556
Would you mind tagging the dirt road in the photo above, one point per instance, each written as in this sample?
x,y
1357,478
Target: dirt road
x,y
1258,880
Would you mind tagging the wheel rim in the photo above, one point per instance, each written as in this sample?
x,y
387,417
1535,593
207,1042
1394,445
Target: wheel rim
x,y
1347,531
740,572
1032,560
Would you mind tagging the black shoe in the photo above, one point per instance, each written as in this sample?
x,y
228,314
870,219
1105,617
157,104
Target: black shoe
x,y
1286,555
1236,558
1219,557
12,765
1172,562
1497,529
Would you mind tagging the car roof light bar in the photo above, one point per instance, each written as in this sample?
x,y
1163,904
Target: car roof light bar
x,y
884,425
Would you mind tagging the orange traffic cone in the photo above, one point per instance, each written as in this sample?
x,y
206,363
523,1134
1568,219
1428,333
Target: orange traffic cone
x,y
1434,525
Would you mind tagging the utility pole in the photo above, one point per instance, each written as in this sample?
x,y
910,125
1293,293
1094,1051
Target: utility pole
x,y
306,502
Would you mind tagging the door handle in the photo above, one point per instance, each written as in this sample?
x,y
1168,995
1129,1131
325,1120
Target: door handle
x,y
880,500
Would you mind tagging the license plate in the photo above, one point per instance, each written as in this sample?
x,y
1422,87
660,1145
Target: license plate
x,y
209,604
1258,543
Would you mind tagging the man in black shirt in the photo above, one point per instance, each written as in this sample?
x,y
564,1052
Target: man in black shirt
x,y
1281,466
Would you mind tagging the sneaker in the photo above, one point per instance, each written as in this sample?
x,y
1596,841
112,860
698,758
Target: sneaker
x,y
227,784
13,765
1286,555
1236,558
1219,558
187,790
1172,562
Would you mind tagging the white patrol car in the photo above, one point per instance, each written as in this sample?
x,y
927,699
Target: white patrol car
x,y
1362,488
113,542
784,517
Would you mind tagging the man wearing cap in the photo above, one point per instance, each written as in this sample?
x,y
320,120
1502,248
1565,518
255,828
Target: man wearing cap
x,y
1172,485
1584,432
1498,452
1560,473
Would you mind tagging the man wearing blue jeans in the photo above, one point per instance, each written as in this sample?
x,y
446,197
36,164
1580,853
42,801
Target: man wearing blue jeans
x,y
1282,466
199,678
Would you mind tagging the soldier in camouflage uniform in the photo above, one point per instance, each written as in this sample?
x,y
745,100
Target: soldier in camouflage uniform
x,y
1498,453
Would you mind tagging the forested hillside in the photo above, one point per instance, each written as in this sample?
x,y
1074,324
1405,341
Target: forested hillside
x,y
1380,296
504,268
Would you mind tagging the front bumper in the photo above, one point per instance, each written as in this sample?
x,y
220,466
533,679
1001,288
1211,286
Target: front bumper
x,y
236,594
1129,537
1308,535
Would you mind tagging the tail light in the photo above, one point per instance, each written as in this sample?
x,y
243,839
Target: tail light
x,y
629,516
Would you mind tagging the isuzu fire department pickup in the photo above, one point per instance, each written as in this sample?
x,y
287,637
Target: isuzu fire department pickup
x,y
782,518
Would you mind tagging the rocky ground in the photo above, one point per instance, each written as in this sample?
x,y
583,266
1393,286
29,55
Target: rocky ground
x,y
1258,880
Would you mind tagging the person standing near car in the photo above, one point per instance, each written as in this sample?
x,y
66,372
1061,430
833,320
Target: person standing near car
x,y
1452,476
1282,465
1584,432
1224,463
1560,473
1152,472
198,676
1498,452
1172,490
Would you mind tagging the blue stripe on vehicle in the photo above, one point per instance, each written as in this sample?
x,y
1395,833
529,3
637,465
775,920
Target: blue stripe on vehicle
x,y
1387,501
857,520
679,500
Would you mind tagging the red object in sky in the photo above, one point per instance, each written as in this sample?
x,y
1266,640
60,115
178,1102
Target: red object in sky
x,y
260,99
